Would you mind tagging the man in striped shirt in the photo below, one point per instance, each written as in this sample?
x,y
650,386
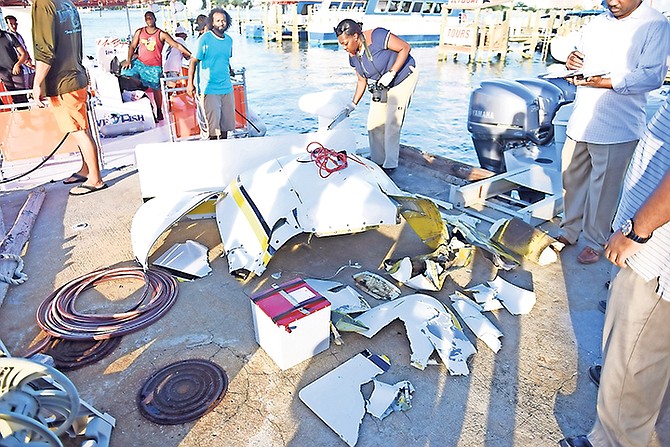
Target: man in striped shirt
x,y
636,337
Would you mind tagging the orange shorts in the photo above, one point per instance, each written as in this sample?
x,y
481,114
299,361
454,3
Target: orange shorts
x,y
69,109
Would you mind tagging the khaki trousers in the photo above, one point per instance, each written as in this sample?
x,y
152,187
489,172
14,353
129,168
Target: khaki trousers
x,y
636,363
385,121
592,179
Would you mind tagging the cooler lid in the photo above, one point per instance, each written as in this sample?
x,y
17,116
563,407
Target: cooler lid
x,y
289,302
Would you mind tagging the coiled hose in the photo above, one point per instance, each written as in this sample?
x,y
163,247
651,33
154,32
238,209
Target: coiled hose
x,y
58,317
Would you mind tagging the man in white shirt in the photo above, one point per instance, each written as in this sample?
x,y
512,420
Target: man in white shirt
x,y
623,54
172,65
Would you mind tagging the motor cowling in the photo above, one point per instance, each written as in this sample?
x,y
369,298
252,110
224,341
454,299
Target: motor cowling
x,y
501,112
550,98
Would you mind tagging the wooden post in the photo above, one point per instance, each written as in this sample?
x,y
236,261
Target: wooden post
x,y
17,236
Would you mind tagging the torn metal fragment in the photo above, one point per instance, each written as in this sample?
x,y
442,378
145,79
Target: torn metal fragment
x,y
429,325
387,398
428,272
344,300
342,297
471,313
346,323
516,300
451,344
525,240
154,217
336,397
499,257
266,206
485,296
376,286
187,260
424,217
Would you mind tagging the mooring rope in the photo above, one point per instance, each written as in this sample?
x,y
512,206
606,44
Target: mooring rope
x,y
17,277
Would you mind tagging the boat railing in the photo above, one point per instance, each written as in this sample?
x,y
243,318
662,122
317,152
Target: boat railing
x,y
184,113
30,135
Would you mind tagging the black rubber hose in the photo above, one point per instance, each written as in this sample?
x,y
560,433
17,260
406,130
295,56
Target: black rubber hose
x,y
40,164
58,317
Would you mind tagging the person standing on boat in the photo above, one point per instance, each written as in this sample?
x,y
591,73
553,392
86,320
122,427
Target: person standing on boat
x,y
201,24
622,54
384,66
28,67
173,58
212,61
148,41
635,375
60,74
12,57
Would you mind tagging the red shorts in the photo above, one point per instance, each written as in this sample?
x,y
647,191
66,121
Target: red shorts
x,y
70,110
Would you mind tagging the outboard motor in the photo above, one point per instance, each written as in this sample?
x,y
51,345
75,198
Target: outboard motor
x,y
550,98
501,112
505,114
569,90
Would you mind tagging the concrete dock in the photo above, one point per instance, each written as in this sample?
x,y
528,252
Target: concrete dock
x,y
533,392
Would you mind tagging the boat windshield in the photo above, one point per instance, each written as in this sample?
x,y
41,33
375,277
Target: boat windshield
x,y
408,6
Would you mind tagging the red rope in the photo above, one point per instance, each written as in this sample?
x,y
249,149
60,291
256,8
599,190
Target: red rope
x,y
327,160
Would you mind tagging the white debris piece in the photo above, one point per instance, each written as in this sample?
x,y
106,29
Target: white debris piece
x,y
429,325
428,280
342,298
336,397
387,398
485,296
154,217
189,258
471,313
516,300
450,342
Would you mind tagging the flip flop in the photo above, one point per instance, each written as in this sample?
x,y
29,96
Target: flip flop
x,y
75,178
82,190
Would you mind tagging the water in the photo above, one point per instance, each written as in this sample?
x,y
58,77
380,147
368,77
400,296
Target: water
x,y
278,74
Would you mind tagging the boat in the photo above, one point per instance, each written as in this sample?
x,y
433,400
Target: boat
x,y
284,20
416,22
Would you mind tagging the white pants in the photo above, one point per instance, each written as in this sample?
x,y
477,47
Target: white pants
x,y
385,121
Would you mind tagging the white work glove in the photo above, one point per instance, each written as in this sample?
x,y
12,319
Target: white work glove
x,y
387,78
349,108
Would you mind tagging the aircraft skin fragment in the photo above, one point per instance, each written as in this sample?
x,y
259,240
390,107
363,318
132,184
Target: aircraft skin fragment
x,y
471,314
188,258
387,398
336,396
267,205
155,216
429,325
517,301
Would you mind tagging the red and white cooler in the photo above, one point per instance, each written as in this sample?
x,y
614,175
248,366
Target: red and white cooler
x,y
291,322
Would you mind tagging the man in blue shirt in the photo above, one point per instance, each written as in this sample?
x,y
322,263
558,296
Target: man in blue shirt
x,y
212,60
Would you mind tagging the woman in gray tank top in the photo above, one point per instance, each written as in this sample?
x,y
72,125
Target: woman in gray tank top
x,y
385,67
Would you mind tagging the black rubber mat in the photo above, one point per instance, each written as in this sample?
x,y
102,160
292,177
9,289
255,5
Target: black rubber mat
x,y
182,392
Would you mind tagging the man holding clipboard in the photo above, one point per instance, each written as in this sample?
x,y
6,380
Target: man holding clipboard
x,y
621,56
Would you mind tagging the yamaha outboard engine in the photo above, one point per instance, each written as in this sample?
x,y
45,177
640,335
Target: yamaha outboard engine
x,y
505,114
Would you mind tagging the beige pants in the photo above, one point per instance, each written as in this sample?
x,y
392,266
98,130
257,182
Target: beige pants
x,y
636,363
592,179
385,121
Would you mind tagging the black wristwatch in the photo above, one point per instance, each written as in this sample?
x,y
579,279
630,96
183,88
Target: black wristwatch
x,y
627,230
